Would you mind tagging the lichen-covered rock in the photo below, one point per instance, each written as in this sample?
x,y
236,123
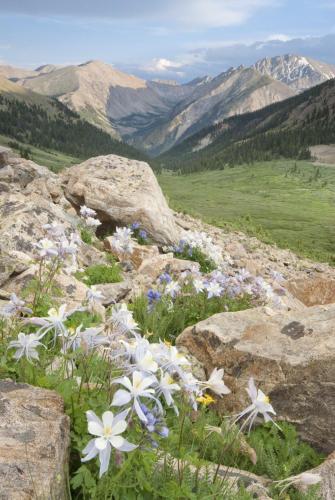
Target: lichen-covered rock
x,y
290,354
138,255
313,291
34,443
154,266
19,172
114,292
327,472
122,191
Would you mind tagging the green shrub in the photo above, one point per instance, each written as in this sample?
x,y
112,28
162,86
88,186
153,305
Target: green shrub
x,y
168,322
86,235
196,255
100,273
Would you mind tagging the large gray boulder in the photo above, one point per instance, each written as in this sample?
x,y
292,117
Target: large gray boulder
x,y
291,355
122,191
34,443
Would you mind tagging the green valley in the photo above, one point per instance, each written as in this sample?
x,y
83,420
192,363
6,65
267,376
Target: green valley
x,y
290,203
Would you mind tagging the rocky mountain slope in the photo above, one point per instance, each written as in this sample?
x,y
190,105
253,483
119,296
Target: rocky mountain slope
x,y
285,128
32,119
299,73
157,115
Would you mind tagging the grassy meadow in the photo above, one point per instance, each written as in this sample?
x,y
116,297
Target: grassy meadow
x,y
54,160
290,203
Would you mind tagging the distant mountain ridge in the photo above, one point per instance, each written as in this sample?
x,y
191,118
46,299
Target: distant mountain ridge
x,y
299,73
157,115
286,129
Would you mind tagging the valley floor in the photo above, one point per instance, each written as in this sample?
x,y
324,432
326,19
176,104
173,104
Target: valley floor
x,y
285,202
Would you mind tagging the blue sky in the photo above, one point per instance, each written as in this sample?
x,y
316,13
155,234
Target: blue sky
x,y
171,39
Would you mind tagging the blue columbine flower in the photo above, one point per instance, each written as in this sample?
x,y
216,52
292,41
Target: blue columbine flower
x,y
143,234
165,278
135,225
153,296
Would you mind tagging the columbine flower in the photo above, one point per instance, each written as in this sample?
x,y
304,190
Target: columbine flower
x,y
143,234
92,222
94,295
15,306
46,248
304,479
172,359
108,432
54,321
213,289
154,423
167,386
153,296
135,225
215,383
26,346
93,337
172,289
165,278
122,241
55,230
87,212
139,387
198,285
260,405
144,359
122,319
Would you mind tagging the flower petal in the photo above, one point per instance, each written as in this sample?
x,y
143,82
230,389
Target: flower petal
x,y
121,397
104,457
95,428
108,418
126,446
119,427
100,443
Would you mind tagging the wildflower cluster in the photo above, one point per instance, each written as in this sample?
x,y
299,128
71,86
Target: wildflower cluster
x,y
139,233
89,225
122,241
199,244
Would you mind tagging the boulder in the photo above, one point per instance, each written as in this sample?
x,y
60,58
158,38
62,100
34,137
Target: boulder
x,y
327,472
313,291
153,267
70,290
22,218
122,191
34,443
140,252
291,356
114,292
19,172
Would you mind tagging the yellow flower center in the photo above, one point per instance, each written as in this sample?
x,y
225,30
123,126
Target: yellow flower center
x,y
267,399
107,431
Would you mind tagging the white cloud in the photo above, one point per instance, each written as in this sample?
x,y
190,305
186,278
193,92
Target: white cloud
x,y
190,13
280,37
164,66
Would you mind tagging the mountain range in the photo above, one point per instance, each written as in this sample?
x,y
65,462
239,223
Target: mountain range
x,y
155,116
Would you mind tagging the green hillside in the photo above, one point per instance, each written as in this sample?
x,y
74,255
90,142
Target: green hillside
x,y
47,125
282,130
289,203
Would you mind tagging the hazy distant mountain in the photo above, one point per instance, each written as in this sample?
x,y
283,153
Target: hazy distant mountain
x,y
233,92
286,129
299,73
156,115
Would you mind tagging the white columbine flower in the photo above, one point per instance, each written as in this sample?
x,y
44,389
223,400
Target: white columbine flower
x,y
198,285
139,387
92,222
172,289
144,359
304,479
167,386
26,346
215,383
94,295
46,248
122,241
54,321
107,432
87,212
213,289
122,319
260,405
15,306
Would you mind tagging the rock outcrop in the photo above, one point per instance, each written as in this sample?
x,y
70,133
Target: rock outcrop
x,y
122,191
290,354
34,443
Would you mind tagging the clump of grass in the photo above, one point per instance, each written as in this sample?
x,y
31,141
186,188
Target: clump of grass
x,y
168,322
100,273
207,265
86,235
